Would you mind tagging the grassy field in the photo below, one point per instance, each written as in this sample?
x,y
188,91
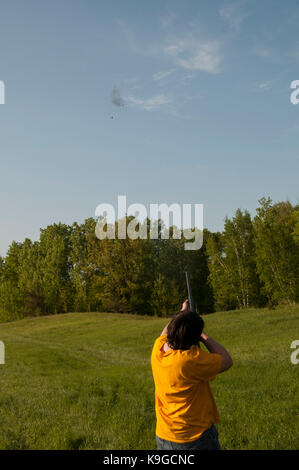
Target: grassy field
x,y
83,381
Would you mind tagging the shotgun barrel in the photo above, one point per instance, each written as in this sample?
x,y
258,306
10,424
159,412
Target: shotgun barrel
x,y
190,298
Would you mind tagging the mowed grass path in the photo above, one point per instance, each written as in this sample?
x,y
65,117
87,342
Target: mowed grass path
x,y
83,381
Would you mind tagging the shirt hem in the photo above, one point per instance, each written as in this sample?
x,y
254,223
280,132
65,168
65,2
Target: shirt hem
x,y
193,439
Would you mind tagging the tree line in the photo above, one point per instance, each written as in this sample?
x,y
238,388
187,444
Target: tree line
x,y
252,263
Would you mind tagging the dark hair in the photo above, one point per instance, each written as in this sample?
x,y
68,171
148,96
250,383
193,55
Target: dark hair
x,y
184,330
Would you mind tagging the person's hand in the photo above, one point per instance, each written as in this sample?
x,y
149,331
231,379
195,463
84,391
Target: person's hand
x,y
203,336
185,305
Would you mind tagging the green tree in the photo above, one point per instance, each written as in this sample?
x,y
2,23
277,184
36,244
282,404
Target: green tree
x,y
80,273
232,264
165,296
54,268
277,250
126,278
29,278
11,299
197,264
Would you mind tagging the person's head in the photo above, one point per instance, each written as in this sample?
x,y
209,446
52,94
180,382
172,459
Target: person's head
x,y
184,330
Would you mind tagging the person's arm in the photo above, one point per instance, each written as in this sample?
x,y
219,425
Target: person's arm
x,y
214,347
164,332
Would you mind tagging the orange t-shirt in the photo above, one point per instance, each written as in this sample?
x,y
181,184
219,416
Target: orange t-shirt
x,y
185,406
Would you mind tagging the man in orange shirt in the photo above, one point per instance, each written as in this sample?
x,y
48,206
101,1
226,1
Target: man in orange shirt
x,y
185,407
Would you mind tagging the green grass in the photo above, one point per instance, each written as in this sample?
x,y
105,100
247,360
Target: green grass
x,y
83,381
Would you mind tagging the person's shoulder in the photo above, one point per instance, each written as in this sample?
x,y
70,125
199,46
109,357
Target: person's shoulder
x,y
202,365
193,352
190,355
210,360
160,340
197,354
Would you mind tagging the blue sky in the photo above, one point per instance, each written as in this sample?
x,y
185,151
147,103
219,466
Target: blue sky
x,y
207,116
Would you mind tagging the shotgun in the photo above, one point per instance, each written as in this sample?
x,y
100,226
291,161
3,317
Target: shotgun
x,y
192,307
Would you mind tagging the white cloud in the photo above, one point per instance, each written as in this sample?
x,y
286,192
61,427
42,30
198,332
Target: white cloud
x,y
265,85
190,51
150,103
163,74
194,54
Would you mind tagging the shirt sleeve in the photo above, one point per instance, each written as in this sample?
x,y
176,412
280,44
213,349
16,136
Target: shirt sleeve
x,y
158,342
203,366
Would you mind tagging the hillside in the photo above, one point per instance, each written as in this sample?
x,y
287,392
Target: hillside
x,y
83,380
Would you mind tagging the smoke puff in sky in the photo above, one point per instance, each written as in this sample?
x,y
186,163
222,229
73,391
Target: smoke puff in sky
x,y
116,98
